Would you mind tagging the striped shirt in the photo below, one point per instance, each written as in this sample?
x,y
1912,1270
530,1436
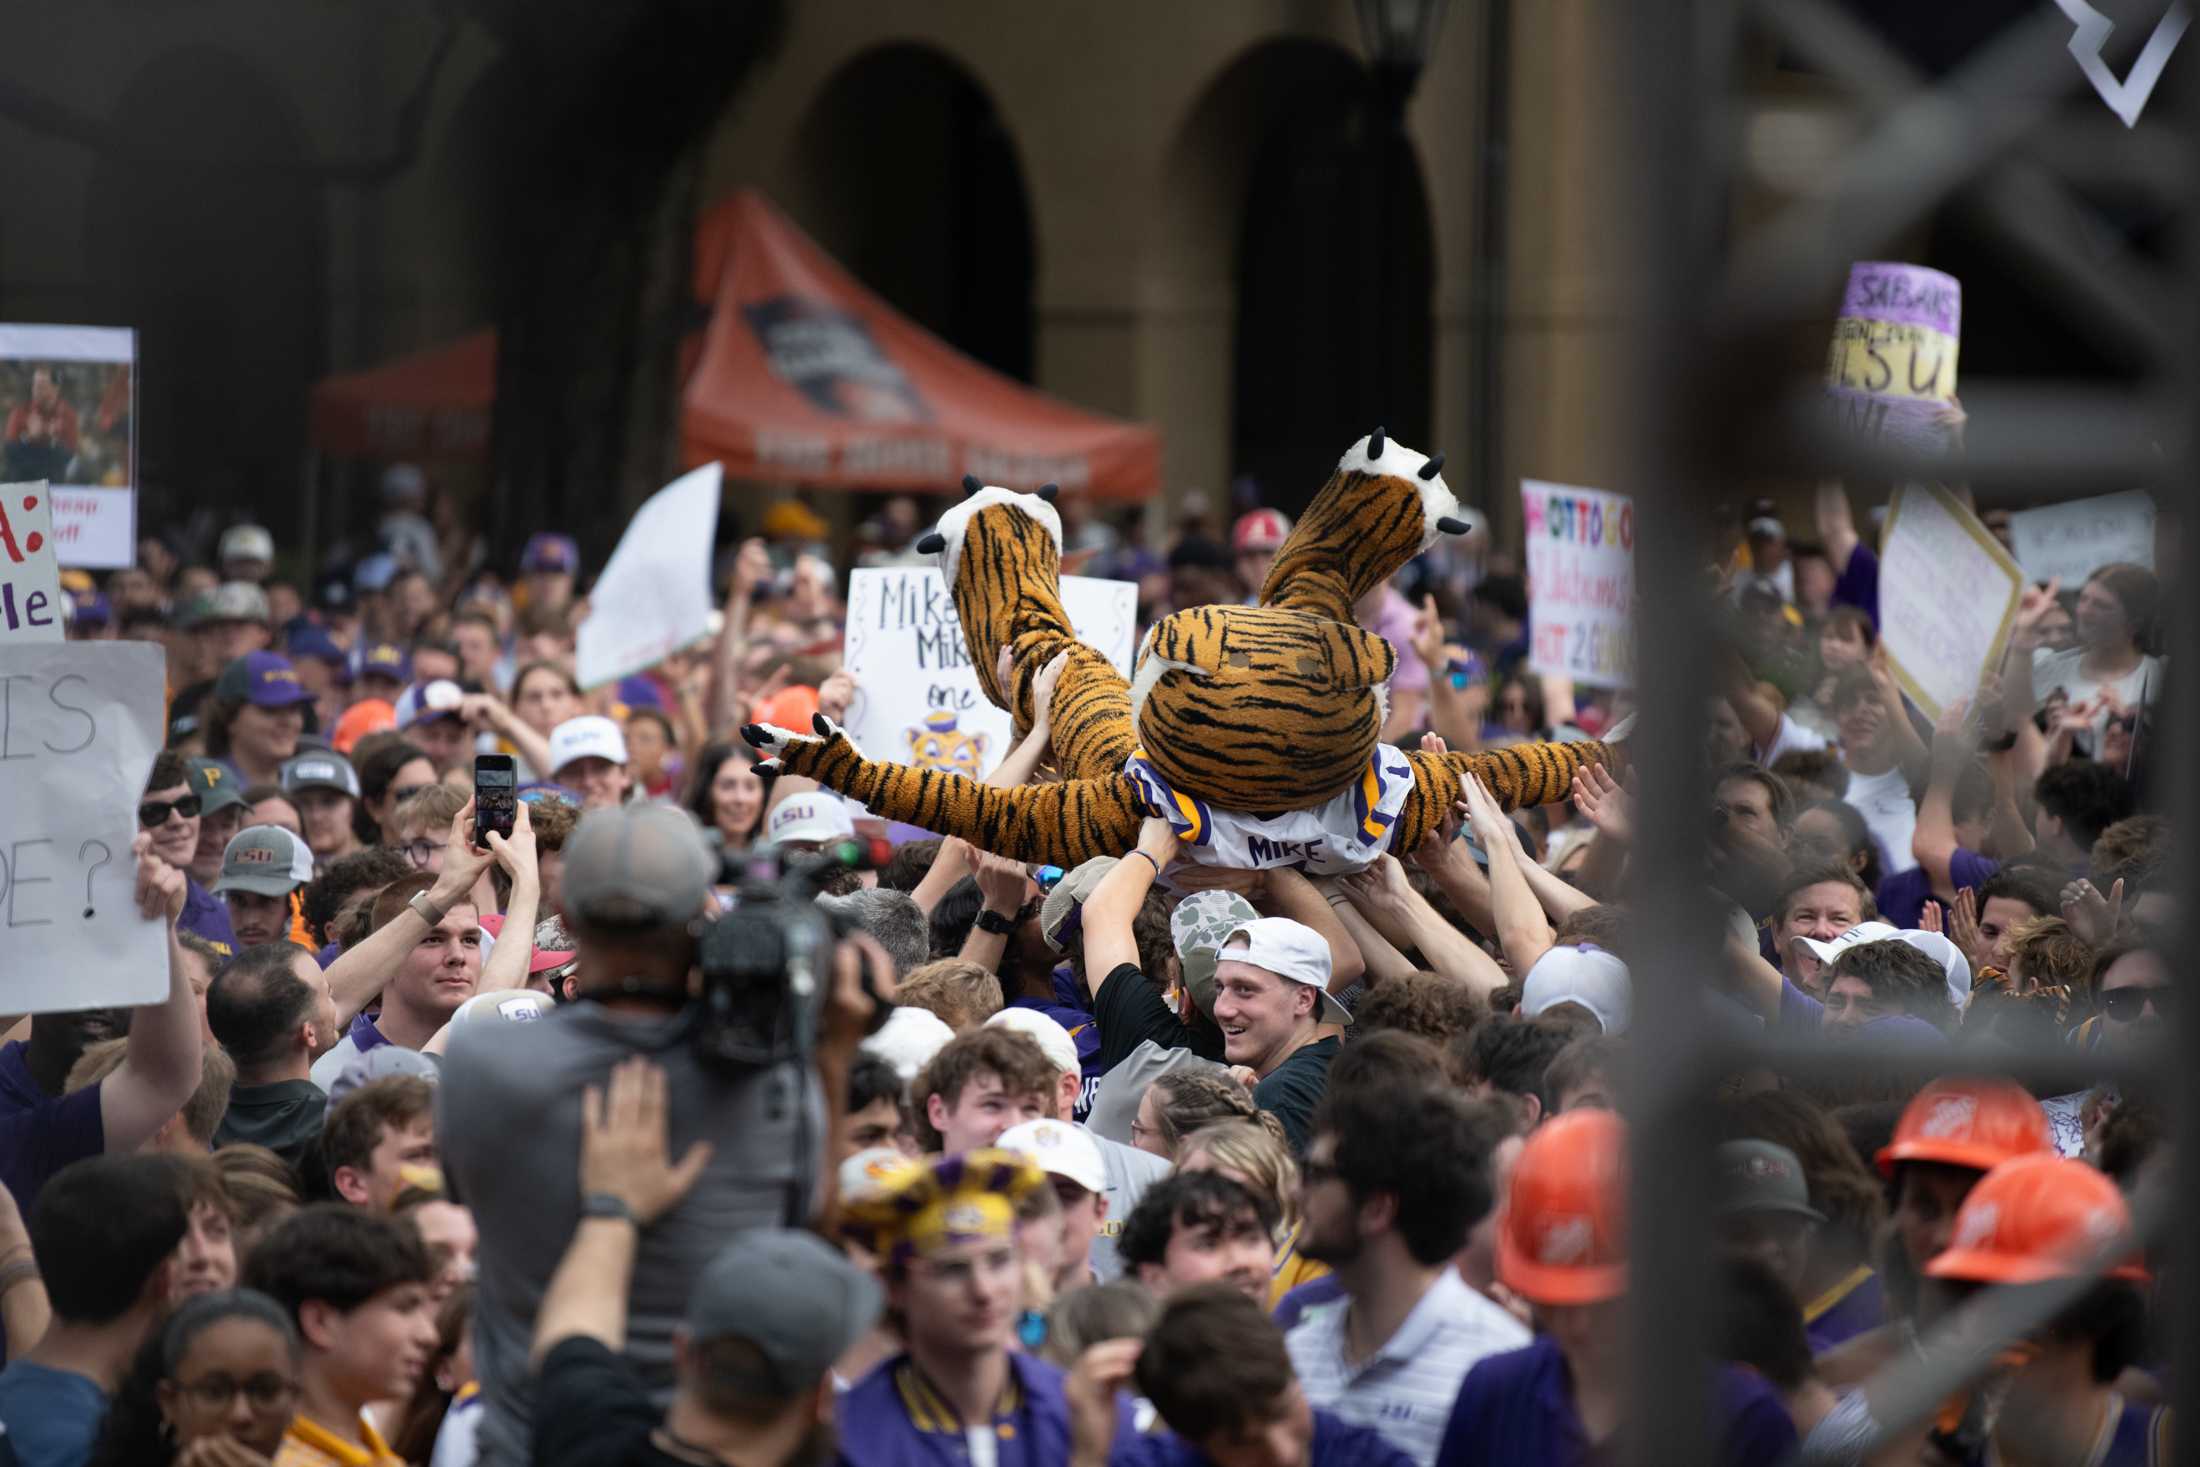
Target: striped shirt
x,y
1404,1389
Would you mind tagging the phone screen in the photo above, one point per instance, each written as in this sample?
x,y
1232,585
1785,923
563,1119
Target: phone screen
x,y
496,795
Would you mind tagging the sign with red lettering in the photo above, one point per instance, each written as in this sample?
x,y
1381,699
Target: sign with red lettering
x,y
30,577
1581,582
79,725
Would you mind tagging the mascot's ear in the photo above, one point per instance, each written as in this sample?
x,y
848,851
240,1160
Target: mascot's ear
x,y
1356,657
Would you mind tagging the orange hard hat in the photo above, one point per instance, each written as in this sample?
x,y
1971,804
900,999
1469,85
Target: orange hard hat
x,y
1562,1238
1976,1121
367,716
2034,1218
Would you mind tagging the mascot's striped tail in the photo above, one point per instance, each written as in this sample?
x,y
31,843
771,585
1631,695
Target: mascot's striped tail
x,y
1058,824
1522,775
1001,556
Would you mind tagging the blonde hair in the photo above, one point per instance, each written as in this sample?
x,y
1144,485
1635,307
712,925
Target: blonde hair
x,y
962,994
1255,1152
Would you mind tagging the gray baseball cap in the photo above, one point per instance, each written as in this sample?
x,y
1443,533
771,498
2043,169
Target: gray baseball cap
x,y
637,866
1763,1176
320,770
383,1062
1066,901
266,859
793,1296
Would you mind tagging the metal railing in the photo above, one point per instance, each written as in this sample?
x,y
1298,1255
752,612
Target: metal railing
x,y
1716,408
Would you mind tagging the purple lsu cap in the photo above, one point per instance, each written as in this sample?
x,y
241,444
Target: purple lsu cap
x,y
264,679
548,552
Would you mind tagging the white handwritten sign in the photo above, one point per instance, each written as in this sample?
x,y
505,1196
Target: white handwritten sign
x,y
917,697
653,597
1947,592
2076,539
1581,582
79,725
30,577
69,396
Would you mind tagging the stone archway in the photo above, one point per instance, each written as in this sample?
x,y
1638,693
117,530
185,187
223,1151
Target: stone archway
x,y
903,168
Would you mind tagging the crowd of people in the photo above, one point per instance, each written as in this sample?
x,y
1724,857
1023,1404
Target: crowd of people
x,y
435,1153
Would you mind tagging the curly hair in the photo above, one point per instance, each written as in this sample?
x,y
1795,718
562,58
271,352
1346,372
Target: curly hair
x,y
1427,1005
2051,955
1013,1058
2132,851
1841,1186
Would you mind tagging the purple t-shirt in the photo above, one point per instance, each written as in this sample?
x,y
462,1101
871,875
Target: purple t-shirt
x,y
207,915
1337,1443
1518,1407
1858,583
1394,624
1863,1307
1798,1010
1902,896
39,1134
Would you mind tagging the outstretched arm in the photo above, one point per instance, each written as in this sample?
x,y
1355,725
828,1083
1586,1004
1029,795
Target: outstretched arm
x,y
1524,774
1060,824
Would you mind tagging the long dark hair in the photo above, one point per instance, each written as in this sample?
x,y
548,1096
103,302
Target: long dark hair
x,y
414,1439
708,761
134,1434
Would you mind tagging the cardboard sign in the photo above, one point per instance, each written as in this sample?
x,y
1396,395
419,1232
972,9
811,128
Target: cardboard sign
x,y
1581,582
1891,369
1947,593
79,725
917,698
68,399
653,597
2076,539
30,577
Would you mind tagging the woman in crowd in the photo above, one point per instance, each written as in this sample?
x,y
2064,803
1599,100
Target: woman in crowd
x,y
213,1387
1837,827
1254,1154
1182,1102
443,1383
390,773
726,795
2108,672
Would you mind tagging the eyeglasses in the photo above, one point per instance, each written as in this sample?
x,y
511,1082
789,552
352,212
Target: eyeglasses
x,y
2126,1004
265,1392
152,813
420,852
403,793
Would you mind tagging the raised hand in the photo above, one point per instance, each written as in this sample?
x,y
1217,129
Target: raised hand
x,y
160,886
624,1147
835,693
1428,636
1603,803
1962,928
1042,692
2032,606
2093,917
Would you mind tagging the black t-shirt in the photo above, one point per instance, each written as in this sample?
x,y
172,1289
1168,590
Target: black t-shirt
x,y
1293,1088
591,1411
1129,1009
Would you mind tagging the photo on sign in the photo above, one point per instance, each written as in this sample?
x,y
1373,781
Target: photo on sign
x,y
67,422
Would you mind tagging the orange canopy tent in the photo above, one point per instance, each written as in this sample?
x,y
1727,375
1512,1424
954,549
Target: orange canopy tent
x,y
802,375
432,405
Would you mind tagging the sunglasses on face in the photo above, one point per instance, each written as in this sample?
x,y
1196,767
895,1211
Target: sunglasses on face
x,y
152,813
403,793
2126,1004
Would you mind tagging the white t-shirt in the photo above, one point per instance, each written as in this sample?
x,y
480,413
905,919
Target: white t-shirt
x,y
2065,670
1791,738
1884,802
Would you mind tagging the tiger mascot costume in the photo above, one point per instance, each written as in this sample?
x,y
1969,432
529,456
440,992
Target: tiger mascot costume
x,y
1255,730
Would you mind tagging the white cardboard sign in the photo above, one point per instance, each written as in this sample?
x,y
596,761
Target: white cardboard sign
x,y
1581,582
2076,539
79,725
917,697
653,597
1947,594
30,577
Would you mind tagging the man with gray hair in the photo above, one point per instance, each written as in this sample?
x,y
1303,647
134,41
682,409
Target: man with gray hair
x,y
891,917
636,894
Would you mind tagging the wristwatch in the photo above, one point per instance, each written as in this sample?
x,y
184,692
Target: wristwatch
x,y
999,923
428,911
603,1204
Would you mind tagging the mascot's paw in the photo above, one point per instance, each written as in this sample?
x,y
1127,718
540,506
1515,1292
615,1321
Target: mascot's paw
x,y
776,743
1441,512
957,525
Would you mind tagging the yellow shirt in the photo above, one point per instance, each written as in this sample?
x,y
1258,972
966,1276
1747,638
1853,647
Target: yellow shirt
x,y
309,1444
1292,1269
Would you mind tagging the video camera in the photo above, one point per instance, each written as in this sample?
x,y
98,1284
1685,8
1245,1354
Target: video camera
x,y
768,962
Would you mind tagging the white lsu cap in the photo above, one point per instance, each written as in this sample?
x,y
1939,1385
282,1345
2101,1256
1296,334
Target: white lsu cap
x,y
1293,952
1060,1149
1580,973
590,736
818,815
